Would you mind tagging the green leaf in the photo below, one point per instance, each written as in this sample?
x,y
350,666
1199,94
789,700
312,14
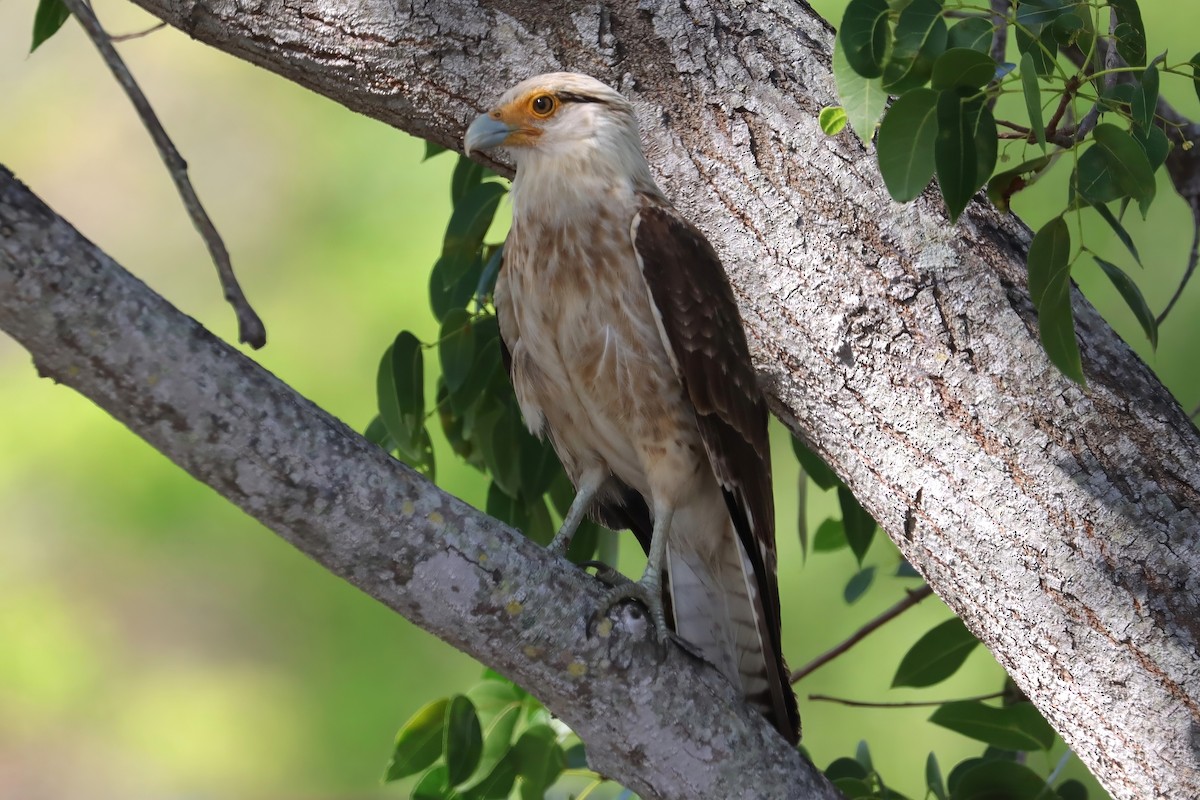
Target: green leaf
x,y
974,33
862,754
503,455
1000,780
960,66
936,656
1195,62
1015,727
463,742
539,757
585,541
432,149
456,348
1003,185
487,277
1069,27
539,464
862,98
920,38
376,433
576,756
418,453
1034,14
498,706
864,36
1033,98
433,785
841,768
1126,162
49,17
504,506
832,119
854,789
496,784
1043,49
830,536
451,285
1049,253
400,390
1133,298
1145,98
857,523
1050,290
933,778
469,223
467,175
956,773
813,466
1130,32
1154,144
857,586
419,742
907,137
965,147
1119,230
1071,790
483,372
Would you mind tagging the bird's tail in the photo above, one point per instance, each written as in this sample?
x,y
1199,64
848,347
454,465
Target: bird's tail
x,y
714,599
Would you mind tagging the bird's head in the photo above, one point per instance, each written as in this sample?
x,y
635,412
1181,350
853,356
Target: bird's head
x,y
559,114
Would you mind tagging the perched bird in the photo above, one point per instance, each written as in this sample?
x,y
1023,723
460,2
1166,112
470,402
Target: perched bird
x,y
625,346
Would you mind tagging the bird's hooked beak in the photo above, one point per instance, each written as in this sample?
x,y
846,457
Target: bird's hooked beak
x,y
485,133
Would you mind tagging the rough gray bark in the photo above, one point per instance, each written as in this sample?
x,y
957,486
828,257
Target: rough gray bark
x,y
659,720
1059,522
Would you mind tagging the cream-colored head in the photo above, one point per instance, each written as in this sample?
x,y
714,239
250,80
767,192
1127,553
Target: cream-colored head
x,y
564,126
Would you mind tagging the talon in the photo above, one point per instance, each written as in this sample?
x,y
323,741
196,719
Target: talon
x,y
647,594
606,573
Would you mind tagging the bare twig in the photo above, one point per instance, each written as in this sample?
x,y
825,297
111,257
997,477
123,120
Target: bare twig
x,y
1193,257
1063,103
125,37
250,327
915,704
913,597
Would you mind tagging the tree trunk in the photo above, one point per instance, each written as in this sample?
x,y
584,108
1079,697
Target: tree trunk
x,y
1061,523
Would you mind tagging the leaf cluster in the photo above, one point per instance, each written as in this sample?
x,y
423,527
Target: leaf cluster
x,y
944,63
490,743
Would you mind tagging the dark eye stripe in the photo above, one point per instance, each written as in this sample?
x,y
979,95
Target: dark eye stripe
x,y
572,97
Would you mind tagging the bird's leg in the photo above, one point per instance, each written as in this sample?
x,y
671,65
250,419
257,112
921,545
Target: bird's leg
x,y
589,483
648,590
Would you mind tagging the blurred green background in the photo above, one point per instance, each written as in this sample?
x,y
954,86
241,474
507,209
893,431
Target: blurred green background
x,y
155,642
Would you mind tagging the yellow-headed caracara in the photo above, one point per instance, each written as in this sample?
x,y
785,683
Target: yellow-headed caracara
x,y
624,344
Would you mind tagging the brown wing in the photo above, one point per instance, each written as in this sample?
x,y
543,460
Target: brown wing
x,y
703,331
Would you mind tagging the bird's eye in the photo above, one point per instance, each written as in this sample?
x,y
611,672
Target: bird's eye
x,y
543,105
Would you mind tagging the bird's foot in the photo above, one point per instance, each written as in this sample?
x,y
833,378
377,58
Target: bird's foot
x,y
559,544
606,574
646,592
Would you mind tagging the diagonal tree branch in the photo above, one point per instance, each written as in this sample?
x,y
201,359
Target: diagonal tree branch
x,y
1059,522
660,721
